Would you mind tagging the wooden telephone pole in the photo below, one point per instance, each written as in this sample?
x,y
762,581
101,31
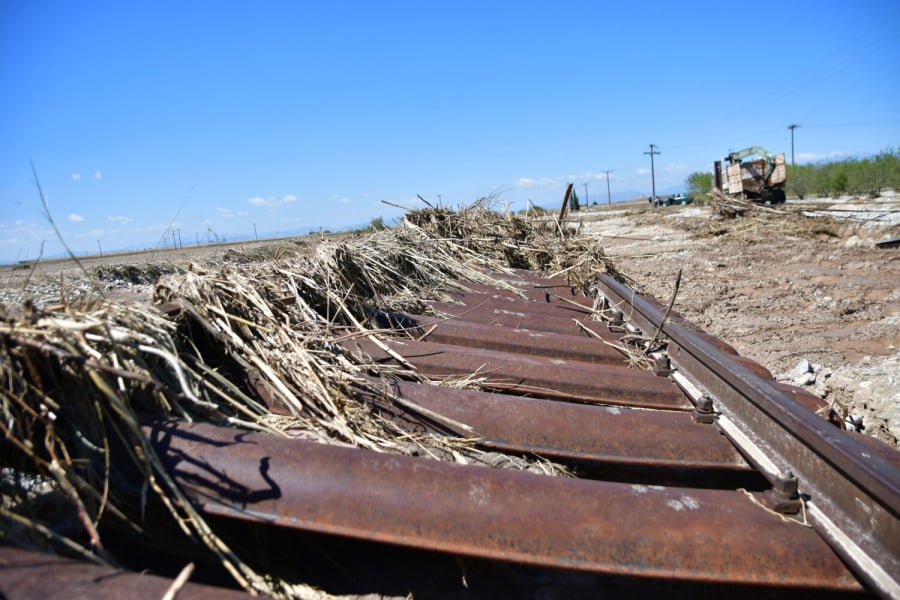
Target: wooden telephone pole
x,y
608,195
653,152
792,127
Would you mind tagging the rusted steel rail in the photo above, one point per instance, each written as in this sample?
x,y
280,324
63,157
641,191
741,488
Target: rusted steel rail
x,y
661,499
598,526
462,332
25,574
609,437
540,376
852,493
689,472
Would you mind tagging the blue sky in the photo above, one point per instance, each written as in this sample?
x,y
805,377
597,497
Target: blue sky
x,y
214,117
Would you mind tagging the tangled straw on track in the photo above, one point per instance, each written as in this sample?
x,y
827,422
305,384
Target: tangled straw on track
x,y
752,220
254,346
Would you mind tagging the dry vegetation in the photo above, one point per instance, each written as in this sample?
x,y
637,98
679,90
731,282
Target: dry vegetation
x,y
250,338
251,342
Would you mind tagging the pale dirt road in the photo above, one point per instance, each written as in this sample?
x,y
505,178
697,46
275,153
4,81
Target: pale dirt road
x,y
782,291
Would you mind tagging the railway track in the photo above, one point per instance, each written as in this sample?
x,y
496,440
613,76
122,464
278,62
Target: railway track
x,y
698,476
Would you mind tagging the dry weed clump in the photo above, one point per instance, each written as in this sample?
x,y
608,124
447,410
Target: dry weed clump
x,y
750,221
548,245
274,251
253,345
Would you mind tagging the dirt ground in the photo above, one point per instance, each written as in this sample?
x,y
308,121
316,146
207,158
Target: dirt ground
x,y
806,294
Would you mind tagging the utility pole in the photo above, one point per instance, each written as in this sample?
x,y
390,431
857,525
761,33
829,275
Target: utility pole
x,y
587,200
254,232
792,127
608,196
653,152
99,248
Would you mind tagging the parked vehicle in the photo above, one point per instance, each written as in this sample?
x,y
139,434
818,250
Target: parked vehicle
x,y
677,199
761,180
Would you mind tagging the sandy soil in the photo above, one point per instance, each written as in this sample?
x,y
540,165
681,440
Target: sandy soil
x,y
809,295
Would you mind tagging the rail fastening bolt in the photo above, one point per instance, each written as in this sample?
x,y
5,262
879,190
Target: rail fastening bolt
x,y
784,497
786,485
663,364
703,411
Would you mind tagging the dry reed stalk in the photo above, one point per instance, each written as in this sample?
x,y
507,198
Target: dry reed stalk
x,y
253,346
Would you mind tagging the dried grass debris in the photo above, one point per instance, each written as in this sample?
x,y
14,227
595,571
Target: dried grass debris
x,y
250,343
752,221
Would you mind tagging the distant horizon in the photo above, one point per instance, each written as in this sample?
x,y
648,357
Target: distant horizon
x,y
237,236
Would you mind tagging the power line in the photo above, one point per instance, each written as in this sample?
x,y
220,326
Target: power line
x,y
857,124
844,59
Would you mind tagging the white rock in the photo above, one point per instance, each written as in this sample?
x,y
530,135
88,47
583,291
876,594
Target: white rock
x,y
806,379
803,367
803,374
855,241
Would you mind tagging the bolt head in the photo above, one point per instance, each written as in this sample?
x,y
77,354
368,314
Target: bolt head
x,y
705,404
786,485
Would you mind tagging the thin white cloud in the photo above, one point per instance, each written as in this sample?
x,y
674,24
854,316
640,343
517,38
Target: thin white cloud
x,y
344,200
11,241
643,171
676,168
272,200
598,176
76,176
120,219
155,229
528,182
76,218
23,232
95,233
814,156
98,174
230,213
